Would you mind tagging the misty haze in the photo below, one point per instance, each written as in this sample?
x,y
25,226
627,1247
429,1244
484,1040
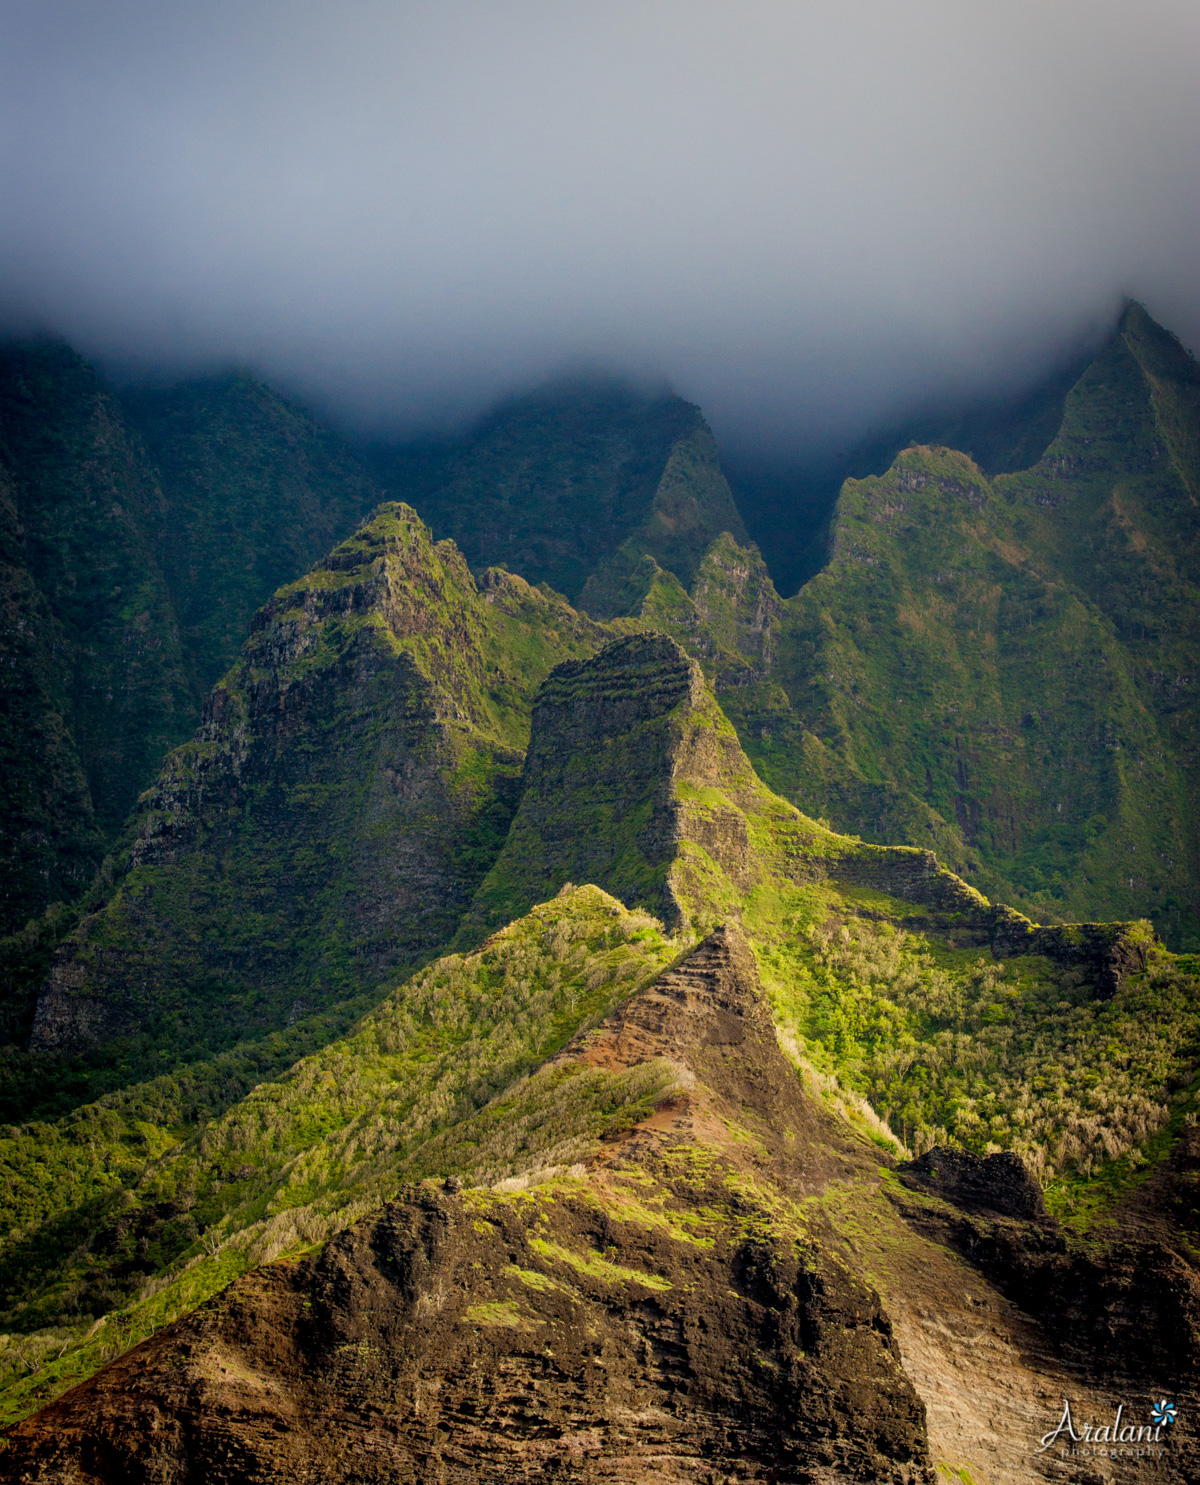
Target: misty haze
x,y
806,219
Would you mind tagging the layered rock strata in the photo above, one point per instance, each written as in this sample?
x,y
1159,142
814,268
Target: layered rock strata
x,y
352,780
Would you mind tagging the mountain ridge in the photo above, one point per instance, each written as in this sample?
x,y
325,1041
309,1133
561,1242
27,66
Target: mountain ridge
x,y
378,701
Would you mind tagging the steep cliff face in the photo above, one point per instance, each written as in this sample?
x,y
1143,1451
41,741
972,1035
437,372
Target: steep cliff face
x,y
634,779
681,1262
938,649
590,1196
254,492
619,745
351,782
1114,505
50,841
139,538
571,484
103,690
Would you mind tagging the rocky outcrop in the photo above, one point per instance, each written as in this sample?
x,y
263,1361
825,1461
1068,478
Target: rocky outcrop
x,y
993,1183
622,748
1124,1308
1107,952
726,1282
911,874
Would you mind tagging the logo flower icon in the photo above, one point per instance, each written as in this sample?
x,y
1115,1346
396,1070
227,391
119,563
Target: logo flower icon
x,y
1163,1412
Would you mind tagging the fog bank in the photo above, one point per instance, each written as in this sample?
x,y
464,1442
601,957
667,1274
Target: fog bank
x,y
807,217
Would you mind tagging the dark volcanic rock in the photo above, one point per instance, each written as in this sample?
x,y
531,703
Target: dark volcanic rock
x,y
1108,952
994,1183
1126,1309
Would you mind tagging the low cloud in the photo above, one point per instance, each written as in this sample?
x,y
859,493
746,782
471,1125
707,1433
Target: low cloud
x,y
807,217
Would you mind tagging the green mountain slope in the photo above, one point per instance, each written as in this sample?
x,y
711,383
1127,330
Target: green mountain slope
x,y
306,1153
661,1304
50,841
937,653
351,783
1002,669
1115,507
572,484
688,1028
661,1215
139,538
254,492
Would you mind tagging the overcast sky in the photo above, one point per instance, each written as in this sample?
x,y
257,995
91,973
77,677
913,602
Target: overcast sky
x,y
806,215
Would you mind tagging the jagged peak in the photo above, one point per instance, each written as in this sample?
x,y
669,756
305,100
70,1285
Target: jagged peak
x,y
396,694
1159,351
614,739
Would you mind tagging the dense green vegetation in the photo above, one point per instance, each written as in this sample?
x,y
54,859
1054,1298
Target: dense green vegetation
x,y
116,1215
352,783
1012,711
95,685
949,1046
136,541
130,1211
571,484
243,1039
254,492
1001,669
